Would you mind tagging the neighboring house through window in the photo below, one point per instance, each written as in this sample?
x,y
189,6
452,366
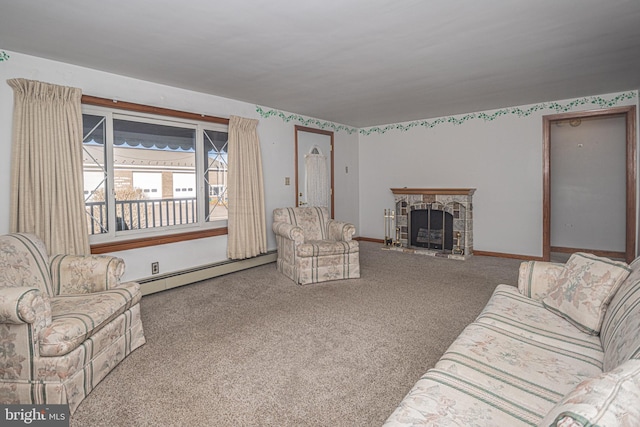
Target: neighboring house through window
x,y
149,175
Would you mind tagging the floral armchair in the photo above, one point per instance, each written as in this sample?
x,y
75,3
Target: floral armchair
x,y
65,322
314,248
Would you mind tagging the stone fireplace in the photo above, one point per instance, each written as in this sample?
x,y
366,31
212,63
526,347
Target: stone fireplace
x,y
434,221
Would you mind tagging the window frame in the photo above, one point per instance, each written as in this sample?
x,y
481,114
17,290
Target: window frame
x,y
150,237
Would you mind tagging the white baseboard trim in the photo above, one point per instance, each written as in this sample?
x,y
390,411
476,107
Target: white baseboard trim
x,y
163,282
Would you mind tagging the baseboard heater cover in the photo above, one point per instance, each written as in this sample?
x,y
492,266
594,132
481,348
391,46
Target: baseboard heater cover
x,y
175,279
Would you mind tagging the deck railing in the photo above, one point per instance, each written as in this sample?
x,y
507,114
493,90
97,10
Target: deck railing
x,y
139,214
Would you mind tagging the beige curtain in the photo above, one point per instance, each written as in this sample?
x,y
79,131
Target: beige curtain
x,y
247,224
316,180
46,166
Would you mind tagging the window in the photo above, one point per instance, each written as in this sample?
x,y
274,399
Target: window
x,y
149,175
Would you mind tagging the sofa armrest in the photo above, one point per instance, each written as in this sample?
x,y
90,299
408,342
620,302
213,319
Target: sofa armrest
x,y
289,231
82,274
537,278
340,231
24,305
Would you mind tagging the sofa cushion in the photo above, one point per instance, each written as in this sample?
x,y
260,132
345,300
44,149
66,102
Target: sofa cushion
x,y
609,399
493,377
584,290
77,317
620,334
518,314
316,248
536,278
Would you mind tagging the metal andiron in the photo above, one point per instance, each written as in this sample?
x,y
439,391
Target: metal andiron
x,y
457,249
389,224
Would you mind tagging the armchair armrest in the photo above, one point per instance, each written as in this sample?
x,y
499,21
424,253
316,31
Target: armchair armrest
x,y
537,278
289,231
340,231
82,274
24,305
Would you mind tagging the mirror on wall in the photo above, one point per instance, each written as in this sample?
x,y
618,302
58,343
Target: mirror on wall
x,y
314,167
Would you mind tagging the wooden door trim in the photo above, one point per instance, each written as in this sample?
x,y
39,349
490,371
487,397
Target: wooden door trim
x,y
629,112
322,132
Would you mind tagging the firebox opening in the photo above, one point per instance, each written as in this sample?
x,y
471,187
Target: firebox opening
x,y
431,229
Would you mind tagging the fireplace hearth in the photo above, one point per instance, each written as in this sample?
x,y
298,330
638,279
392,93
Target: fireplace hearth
x,y
434,221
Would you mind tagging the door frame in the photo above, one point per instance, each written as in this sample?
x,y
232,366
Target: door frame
x,y
322,132
629,112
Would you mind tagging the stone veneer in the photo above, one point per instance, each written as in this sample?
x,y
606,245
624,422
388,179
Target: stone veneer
x,y
456,201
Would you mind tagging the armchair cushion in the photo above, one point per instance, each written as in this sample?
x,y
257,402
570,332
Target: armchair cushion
x,y
76,274
22,305
340,231
24,262
289,231
327,247
77,317
313,221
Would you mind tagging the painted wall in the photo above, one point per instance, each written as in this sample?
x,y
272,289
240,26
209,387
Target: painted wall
x,y
276,138
498,152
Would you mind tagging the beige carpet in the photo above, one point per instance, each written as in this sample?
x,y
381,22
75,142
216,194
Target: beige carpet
x,y
254,349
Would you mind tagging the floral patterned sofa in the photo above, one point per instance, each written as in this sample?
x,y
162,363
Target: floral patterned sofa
x,y
313,248
65,322
563,349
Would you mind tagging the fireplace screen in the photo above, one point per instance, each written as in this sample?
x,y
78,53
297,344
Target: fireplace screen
x,y
432,229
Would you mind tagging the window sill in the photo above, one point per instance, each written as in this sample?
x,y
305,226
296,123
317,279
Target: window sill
x,y
102,248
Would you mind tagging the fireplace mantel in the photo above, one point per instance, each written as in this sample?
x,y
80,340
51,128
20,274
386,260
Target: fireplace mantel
x,y
435,191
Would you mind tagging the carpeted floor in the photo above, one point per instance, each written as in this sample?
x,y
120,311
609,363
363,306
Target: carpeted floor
x,y
254,349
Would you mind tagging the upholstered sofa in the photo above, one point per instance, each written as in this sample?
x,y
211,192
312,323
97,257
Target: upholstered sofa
x,y
562,349
314,248
65,322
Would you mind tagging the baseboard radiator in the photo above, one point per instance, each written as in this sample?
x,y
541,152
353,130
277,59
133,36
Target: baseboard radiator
x,y
162,282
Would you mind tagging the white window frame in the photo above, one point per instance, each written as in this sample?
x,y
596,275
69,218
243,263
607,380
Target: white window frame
x,y
114,235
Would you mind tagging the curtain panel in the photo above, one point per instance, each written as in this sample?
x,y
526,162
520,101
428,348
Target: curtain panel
x,y
317,181
46,167
247,231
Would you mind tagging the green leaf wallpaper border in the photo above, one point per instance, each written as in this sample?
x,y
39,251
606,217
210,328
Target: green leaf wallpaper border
x,y
557,107
4,56
305,121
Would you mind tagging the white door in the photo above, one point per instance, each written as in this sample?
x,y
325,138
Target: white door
x,y
314,167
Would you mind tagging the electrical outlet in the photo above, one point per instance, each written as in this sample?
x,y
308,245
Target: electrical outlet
x,y
155,267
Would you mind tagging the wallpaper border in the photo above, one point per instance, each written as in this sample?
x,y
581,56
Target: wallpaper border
x,y
305,121
555,106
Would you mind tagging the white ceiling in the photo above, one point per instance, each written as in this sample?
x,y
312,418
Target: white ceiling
x,y
355,62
